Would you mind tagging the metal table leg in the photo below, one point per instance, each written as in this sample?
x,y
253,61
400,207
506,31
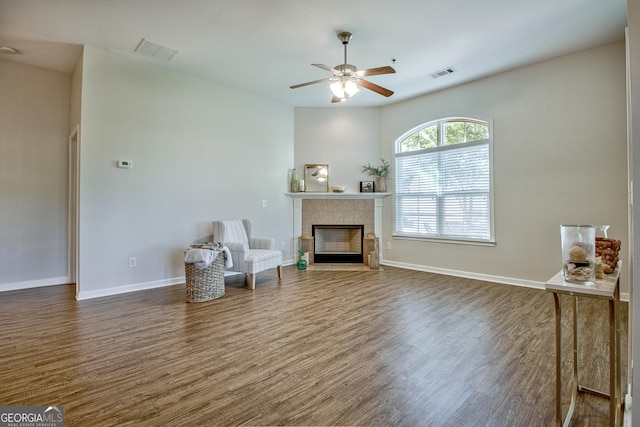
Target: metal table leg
x,y
613,394
615,384
556,300
575,386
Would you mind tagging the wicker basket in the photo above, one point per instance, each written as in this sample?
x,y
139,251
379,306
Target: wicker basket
x,y
207,284
608,250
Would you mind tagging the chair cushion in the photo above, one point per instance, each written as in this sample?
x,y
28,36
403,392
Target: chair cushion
x,y
261,259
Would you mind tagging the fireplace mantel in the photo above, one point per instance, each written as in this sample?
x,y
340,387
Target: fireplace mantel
x,y
345,196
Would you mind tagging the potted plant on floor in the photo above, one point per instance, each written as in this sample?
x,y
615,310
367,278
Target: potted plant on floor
x,y
379,173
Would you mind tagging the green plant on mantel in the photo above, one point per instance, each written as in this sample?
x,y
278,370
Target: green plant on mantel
x,y
381,171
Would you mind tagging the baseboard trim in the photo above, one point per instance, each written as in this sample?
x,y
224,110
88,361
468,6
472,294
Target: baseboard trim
x,y
98,293
84,295
52,281
477,276
467,274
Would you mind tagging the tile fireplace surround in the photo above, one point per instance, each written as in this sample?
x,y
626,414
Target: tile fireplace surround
x,y
337,212
336,209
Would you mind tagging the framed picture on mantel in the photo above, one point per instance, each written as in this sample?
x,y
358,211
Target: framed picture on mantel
x,y
367,187
316,178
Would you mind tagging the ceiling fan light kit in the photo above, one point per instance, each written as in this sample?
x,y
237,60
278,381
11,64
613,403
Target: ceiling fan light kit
x,y
344,88
347,79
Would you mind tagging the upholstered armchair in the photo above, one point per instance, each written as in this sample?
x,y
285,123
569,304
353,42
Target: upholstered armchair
x,y
250,255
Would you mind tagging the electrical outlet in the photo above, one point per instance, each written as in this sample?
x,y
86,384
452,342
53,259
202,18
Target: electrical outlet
x,y
264,203
388,245
132,262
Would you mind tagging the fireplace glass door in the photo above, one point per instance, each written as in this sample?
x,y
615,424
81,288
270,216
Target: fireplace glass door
x,y
338,243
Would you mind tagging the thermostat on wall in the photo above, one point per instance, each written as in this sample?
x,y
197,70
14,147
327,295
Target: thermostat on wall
x,y
125,164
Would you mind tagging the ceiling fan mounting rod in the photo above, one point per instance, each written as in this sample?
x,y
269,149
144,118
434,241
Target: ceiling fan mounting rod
x,y
345,54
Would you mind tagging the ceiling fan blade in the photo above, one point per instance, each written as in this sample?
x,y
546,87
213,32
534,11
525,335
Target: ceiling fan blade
x,y
374,87
310,83
327,68
336,99
375,71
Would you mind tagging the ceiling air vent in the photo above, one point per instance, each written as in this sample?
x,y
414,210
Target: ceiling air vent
x,y
155,51
442,72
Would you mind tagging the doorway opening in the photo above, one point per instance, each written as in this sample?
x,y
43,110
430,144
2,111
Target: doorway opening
x,y
73,227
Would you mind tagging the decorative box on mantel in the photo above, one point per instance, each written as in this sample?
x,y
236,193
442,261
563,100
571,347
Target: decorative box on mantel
x,y
340,208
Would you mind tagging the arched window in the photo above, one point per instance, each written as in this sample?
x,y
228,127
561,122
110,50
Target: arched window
x,y
443,181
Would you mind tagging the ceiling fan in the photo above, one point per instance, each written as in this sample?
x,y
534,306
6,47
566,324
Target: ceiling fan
x,y
347,79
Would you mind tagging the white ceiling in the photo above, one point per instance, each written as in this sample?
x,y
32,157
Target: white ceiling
x,y
264,46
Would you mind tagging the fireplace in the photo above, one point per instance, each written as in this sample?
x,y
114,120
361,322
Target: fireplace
x,y
338,243
338,209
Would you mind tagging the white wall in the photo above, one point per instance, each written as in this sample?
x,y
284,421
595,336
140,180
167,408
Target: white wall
x,y
559,157
200,152
34,127
344,138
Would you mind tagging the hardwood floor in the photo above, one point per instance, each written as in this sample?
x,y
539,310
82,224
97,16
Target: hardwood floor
x,y
389,348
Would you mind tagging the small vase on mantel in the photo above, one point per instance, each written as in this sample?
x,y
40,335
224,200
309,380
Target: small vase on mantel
x,y
293,181
381,184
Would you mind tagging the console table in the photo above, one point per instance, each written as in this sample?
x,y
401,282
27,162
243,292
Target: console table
x,y
608,289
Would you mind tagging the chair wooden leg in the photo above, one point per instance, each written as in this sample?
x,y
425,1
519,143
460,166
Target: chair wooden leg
x,y
279,272
252,281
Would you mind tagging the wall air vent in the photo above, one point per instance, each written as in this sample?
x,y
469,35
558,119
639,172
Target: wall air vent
x,y
155,51
441,73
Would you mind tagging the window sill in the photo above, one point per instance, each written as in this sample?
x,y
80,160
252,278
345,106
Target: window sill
x,y
447,241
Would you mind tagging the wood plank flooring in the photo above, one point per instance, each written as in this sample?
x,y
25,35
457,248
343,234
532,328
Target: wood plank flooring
x,y
379,348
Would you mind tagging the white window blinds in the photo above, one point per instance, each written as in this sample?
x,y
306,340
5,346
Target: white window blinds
x,y
445,192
